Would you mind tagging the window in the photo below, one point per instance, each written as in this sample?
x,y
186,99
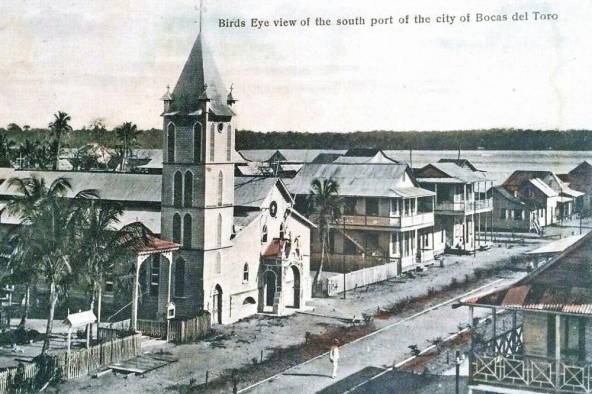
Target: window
x,y
348,246
245,273
187,231
188,189
372,206
177,189
212,141
349,206
176,228
179,277
517,214
197,142
503,213
171,143
371,242
218,263
229,143
572,336
332,242
282,231
220,187
219,231
395,243
154,275
264,234
395,207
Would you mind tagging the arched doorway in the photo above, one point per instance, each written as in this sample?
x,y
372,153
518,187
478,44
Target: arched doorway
x,y
217,305
296,275
270,281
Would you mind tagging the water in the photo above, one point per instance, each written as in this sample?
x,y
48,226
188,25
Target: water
x,y
500,164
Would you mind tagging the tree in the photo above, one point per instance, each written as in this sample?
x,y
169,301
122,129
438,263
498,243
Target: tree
x,y
326,204
58,128
102,247
6,147
14,128
48,226
128,135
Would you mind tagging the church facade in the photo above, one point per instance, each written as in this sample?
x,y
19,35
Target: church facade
x,y
236,257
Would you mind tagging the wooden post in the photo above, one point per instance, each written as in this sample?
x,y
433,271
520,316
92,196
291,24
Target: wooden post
x,y
557,351
88,329
134,317
514,324
471,316
494,322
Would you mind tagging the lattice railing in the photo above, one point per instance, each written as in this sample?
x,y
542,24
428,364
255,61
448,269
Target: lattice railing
x,y
505,344
531,372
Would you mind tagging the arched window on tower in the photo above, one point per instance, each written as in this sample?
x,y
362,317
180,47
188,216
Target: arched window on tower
x,y
187,231
245,273
188,189
219,231
220,188
212,141
177,189
197,142
171,143
264,234
229,143
177,228
179,277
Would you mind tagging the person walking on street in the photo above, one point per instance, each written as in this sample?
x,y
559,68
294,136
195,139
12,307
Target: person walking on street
x,y
334,356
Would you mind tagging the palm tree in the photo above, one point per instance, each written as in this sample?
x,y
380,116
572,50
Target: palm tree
x,y
326,204
58,128
102,246
128,135
48,226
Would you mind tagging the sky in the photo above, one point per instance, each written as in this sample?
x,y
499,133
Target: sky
x,y
113,59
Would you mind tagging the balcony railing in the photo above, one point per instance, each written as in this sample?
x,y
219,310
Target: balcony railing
x,y
464,205
423,218
500,362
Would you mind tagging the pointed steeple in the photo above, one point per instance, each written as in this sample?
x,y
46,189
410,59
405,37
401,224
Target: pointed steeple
x,y
230,99
200,71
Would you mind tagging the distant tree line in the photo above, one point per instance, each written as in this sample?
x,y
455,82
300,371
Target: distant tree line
x,y
492,139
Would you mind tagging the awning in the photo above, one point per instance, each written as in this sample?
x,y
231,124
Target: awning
x,y
556,246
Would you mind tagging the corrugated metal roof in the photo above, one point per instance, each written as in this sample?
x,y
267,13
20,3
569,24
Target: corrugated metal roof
x,y
439,180
251,191
562,285
370,180
288,155
412,192
543,187
115,186
455,171
557,246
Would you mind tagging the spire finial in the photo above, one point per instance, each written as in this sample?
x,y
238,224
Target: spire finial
x,y
200,14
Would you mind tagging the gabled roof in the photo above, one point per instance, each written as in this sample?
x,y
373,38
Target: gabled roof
x,y
519,177
287,155
461,163
583,167
361,180
80,319
543,187
199,71
379,158
561,285
452,170
252,191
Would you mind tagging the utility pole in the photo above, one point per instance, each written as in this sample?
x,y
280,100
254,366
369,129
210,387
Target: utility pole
x,y
343,257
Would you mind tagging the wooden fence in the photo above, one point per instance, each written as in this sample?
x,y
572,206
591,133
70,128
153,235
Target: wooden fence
x,y
80,362
181,330
187,330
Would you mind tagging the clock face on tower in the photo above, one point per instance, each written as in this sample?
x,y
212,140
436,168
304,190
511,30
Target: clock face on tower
x,y
273,209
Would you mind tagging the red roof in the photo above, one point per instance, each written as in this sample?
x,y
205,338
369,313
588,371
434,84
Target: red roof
x,y
562,285
275,248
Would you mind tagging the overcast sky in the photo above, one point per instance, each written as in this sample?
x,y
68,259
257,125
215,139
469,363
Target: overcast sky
x,y
114,58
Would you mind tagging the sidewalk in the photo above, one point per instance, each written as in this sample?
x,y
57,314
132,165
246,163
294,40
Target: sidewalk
x,y
362,359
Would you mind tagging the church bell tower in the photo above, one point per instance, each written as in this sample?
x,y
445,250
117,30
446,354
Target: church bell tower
x,y
198,182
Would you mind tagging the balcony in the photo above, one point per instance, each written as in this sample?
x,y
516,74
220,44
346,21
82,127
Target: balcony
x,y
500,362
465,206
421,219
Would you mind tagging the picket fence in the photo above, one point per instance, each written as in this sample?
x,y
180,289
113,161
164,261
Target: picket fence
x,y
81,362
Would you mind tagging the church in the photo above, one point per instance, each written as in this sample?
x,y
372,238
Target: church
x,y
244,249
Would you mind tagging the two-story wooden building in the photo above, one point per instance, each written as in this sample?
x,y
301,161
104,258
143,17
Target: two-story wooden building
x,y
548,346
462,202
386,218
